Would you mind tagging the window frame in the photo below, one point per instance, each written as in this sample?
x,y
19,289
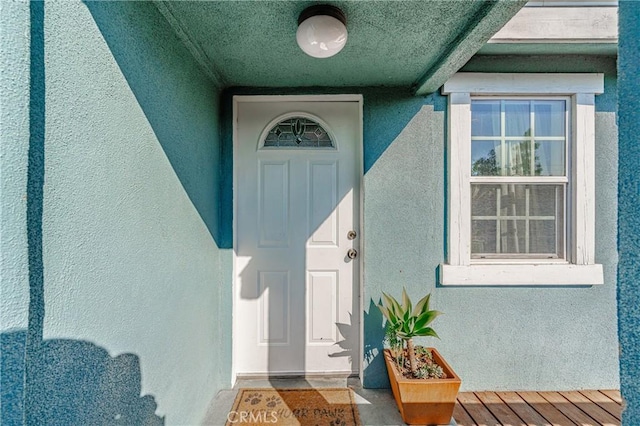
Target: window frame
x,y
563,180
578,267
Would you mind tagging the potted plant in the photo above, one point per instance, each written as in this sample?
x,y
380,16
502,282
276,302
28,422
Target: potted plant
x,y
423,384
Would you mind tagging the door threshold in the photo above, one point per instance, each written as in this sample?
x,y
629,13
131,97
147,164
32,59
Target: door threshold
x,y
299,382
298,375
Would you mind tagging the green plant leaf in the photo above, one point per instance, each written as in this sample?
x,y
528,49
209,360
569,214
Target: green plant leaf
x,y
426,318
393,321
385,312
406,322
393,305
411,326
428,331
386,300
406,302
406,316
422,306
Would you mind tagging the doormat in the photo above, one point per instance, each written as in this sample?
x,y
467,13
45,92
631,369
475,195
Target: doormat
x,y
289,407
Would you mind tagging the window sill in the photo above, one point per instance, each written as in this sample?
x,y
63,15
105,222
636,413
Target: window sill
x,y
521,275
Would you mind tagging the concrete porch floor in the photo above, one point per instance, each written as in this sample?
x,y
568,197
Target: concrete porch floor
x,y
376,406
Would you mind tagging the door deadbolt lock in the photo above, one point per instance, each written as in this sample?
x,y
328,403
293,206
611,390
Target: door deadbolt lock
x,y
352,254
351,235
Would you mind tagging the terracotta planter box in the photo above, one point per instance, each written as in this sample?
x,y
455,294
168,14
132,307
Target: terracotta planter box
x,y
424,401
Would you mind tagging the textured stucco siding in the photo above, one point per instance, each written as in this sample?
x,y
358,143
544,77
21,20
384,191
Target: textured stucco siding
x,y
495,337
539,338
136,226
14,145
136,319
628,208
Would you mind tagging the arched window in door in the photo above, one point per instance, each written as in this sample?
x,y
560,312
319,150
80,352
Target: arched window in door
x,y
298,132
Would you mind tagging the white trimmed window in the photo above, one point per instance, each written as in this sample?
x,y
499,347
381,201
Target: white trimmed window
x,y
521,179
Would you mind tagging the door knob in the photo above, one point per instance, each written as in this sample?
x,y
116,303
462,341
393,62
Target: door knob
x,y
352,254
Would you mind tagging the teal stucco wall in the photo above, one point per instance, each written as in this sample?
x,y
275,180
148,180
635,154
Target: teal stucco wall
x,y
538,338
111,265
14,147
14,122
116,228
628,210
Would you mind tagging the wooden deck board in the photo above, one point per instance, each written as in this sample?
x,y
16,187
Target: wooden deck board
x,y
568,409
499,409
572,408
530,416
462,417
593,410
604,402
476,409
613,394
546,410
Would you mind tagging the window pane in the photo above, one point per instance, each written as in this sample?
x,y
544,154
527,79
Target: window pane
x,y
483,200
485,118
298,132
545,232
484,161
513,237
549,118
517,220
545,199
483,239
517,116
517,158
550,158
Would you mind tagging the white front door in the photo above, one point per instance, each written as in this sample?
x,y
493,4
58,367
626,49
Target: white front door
x,y
297,195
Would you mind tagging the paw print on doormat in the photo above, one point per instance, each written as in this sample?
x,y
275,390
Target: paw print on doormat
x,y
337,422
254,398
273,401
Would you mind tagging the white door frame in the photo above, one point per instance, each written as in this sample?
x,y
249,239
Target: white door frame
x,y
360,181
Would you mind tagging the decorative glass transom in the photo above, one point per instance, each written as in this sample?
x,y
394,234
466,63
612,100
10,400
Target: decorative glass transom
x,y
298,132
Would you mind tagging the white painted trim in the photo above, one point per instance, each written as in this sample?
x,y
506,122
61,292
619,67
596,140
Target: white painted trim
x,y
361,251
521,274
296,374
521,179
583,179
459,198
561,25
234,331
524,84
360,156
298,98
582,270
571,3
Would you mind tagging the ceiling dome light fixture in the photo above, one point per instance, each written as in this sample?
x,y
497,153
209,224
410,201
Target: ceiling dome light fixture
x,y
322,31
